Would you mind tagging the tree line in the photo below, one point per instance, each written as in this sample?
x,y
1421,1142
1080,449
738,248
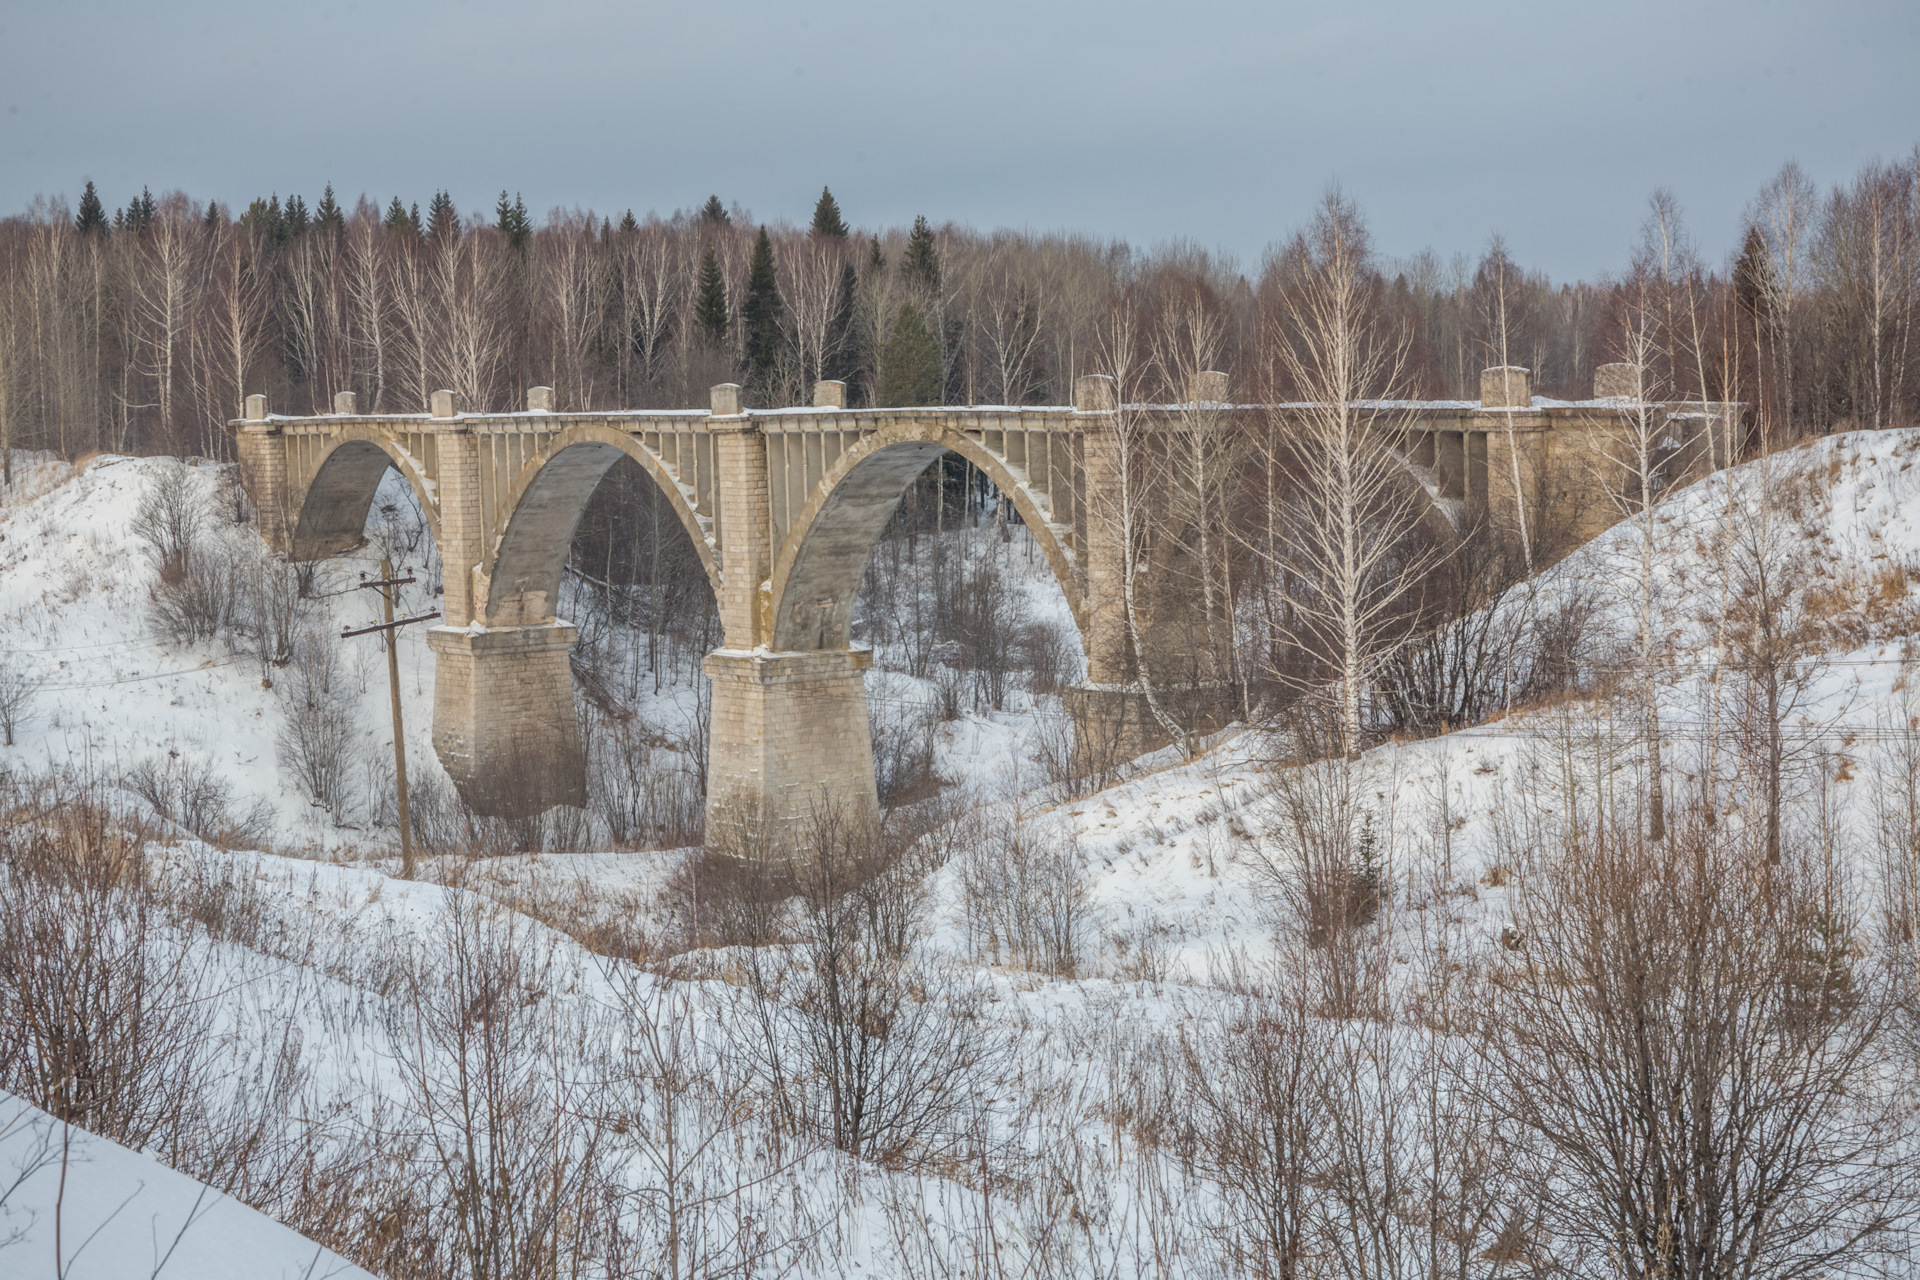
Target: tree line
x,y
142,330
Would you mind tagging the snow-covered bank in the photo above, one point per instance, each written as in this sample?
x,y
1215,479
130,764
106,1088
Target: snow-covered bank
x,y
79,1207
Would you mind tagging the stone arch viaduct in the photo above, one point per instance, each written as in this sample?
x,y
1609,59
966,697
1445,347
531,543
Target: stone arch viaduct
x,y
783,507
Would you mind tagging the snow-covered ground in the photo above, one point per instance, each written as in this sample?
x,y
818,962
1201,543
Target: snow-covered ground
x,y
77,1206
1173,864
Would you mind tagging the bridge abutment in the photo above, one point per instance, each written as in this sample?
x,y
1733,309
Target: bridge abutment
x,y
789,741
504,724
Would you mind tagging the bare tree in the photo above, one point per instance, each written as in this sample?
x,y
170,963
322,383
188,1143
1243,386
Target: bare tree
x,y
1690,1033
1344,537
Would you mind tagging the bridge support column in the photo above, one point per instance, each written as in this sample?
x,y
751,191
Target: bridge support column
x,y
263,474
503,719
789,740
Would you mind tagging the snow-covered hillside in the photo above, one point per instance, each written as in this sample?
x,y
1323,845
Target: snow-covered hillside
x,y
80,1207
1059,1049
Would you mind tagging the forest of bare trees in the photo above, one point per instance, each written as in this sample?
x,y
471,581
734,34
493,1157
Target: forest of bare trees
x,y
141,330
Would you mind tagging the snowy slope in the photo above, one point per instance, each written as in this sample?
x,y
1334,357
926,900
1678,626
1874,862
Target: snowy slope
x,y
73,1204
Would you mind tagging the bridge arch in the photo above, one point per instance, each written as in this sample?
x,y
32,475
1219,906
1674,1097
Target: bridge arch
x,y
543,509
333,508
818,568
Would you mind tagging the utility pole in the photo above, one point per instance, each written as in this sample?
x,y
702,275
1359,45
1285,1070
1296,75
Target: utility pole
x,y
389,587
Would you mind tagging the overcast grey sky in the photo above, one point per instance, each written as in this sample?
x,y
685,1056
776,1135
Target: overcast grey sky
x,y
1220,122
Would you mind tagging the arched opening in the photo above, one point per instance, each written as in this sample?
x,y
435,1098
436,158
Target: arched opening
x,y
544,511
596,536
926,550
334,510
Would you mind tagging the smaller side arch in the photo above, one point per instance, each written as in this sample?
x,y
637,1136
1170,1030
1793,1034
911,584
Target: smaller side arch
x,y
543,509
817,571
334,505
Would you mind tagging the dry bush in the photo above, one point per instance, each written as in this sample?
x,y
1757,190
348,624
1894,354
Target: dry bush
x,y
1025,893
317,742
193,794
1695,1037
646,793
113,1005
17,692
857,1043
170,520
492,1079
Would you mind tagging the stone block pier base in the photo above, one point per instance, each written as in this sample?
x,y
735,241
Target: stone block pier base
x,y
790,744
503,719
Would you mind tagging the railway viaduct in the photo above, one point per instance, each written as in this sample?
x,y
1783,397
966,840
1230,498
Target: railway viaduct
x,y
783,507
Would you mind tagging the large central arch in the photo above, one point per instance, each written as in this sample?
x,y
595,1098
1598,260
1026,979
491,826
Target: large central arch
x,y
816,575
543,508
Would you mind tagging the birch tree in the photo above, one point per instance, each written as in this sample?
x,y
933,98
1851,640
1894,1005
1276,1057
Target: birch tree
x,y
1344,541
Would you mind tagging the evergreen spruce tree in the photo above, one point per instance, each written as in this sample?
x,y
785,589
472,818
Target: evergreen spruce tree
x,y
93,215
826,217
921,266
710,301
443,219
876,260
843,356
327,215
910,372
760,316
396,218
627,222
715,212
296,215
511,220
213,215
413,219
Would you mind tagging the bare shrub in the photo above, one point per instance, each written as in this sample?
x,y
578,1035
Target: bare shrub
x,y
902,753
704,1192
492,1077
879,1059
192,793
1323,855
1025,889
1694,1036
270,609
169,519
644,791
18,690
317,741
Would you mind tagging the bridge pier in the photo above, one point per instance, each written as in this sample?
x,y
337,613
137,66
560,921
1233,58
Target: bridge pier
x,y
504,724
789,742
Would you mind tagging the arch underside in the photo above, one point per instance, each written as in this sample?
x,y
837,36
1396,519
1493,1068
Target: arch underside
x,y
817,573
333,509
544,509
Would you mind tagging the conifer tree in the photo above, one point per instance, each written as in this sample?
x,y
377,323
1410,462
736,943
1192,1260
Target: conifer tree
x,y
876,260
327,214
443,219
921,266
760,315
296,216
715,212
413,218
843,357
93,215
627,222
511,220
213,214
910,372
826,217
710,301
396,218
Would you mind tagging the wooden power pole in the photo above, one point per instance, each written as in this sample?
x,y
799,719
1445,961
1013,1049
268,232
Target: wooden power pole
x,y
389,587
